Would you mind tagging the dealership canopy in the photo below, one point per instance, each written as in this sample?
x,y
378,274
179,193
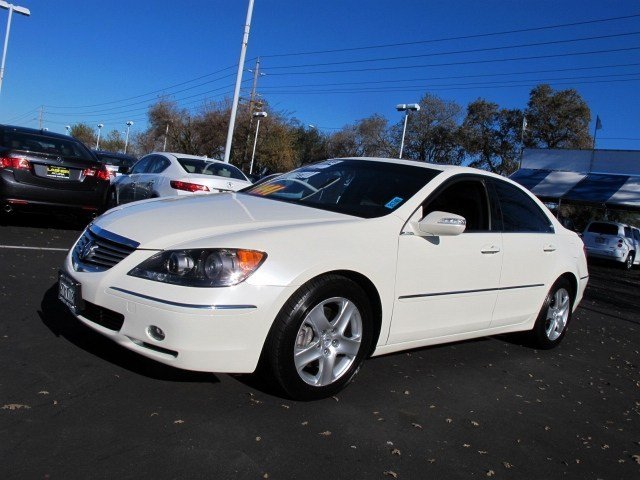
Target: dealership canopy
x,y
608,178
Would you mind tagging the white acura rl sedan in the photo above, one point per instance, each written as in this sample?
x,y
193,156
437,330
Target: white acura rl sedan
x,y
311,272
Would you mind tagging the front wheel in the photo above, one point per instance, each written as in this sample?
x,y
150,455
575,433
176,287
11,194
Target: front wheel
x,y
551,324
320,338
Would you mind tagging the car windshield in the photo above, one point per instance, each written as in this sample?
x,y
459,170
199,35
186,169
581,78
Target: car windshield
x,y
204,167
355,187
30,142
603,228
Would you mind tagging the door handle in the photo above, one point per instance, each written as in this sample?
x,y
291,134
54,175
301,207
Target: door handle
x,y
549,247
489,249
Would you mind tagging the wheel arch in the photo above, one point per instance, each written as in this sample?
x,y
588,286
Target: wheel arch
x,y
374,300
573,281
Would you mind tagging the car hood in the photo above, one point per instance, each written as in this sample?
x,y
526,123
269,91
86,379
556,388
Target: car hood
x,y
162,223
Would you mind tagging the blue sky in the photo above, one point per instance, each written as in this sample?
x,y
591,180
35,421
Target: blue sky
x,y
85,60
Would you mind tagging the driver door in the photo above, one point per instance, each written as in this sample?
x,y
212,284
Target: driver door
x,y
448,285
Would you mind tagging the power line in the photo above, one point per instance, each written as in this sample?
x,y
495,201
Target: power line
x,y
444,39
455,52
468,62
144,94
366,82
442,88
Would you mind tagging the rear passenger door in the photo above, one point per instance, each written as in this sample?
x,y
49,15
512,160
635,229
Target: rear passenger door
x,y
126,185
149,181
530,254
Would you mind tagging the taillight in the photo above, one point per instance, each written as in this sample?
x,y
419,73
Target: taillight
x,y
189,187
619,243
102,174
15,162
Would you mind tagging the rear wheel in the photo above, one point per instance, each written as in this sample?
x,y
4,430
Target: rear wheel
x,y
628,263
320,338
553,319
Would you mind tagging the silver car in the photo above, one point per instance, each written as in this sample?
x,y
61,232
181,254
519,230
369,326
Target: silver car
x,y
611,241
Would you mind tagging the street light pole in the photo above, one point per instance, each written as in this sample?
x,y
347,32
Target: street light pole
x,y
126,140
22,11
68,129
100,125
258,115
236,92
406,108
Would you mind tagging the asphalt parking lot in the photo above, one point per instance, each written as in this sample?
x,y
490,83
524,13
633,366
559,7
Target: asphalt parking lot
x,y
75,405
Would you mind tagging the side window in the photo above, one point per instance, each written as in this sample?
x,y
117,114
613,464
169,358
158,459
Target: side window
x,y
141,165
627,232
158,165
519,212
467,198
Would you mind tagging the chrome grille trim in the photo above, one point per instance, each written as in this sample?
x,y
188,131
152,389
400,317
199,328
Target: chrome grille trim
x,y
98,250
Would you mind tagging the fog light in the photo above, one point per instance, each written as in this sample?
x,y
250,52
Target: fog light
x,y
155,332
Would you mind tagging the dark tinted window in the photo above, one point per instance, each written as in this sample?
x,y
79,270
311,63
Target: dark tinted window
x,y
519,212
636,235
467,198
115,160
627,232
603,228
354,187
33,142
141,166
204,167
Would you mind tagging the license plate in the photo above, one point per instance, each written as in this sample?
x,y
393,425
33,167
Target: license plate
x,y
57,172
599,240
69,292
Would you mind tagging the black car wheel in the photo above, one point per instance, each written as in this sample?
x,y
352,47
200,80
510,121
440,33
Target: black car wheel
x,y
320,337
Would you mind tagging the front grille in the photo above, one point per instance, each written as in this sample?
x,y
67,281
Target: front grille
x,y
99,250
102,316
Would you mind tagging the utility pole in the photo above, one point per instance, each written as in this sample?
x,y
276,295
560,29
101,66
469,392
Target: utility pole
x,y
166,134
40,117
236,92
254,88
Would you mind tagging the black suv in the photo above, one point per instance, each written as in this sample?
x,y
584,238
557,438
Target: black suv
x,y
43,169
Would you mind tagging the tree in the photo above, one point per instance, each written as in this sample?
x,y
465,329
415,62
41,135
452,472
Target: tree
x,y
490,136
432,132
557,119
112,142
368,137
310,145
84,133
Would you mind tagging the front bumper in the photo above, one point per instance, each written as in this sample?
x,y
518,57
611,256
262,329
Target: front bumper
x,y
211,330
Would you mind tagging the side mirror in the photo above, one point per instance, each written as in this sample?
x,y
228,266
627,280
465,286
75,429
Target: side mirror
x,y
124,170
440,224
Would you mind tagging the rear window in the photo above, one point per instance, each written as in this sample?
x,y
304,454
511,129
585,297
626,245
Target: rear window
x,y
204,167
30,142
603,228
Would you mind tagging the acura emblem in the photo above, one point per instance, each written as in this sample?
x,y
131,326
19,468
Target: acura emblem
x,y
88,250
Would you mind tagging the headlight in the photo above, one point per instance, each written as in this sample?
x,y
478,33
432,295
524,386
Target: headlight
x,y
220,267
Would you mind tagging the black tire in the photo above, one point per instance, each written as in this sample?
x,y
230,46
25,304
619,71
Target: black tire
x,y
543,335
628,262
285,337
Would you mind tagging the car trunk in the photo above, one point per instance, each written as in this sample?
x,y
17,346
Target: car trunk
x,y
56,172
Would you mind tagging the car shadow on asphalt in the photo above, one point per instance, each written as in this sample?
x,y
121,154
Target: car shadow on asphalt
x,y
62,323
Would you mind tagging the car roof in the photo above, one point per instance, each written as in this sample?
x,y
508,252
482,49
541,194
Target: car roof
x,y
184,155
35,131
433,166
